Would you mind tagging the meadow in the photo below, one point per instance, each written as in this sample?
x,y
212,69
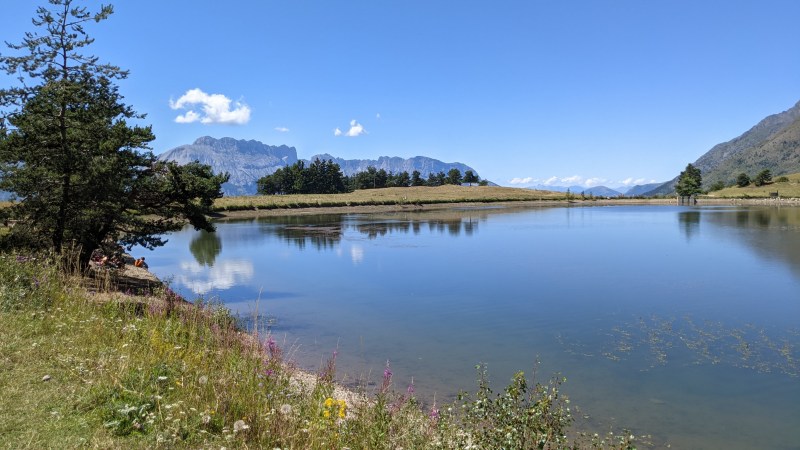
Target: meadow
x,y
419,195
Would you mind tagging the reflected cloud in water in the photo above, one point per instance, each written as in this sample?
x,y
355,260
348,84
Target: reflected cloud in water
x,y
202,279
357,254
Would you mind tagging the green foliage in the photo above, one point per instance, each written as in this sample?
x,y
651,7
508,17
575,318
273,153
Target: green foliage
x,y
763,177
83,173
689,182
436,179
321,177
716,186
742,180
25,284
470,177
416,179
782,179
520,418
453,176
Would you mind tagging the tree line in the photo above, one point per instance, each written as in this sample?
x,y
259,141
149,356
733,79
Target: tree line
x,y
326,177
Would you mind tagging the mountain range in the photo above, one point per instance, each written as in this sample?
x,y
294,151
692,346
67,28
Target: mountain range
x,y
773,143
247,161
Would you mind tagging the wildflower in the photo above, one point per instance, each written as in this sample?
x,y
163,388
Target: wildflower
x,y
387,378
328,402
326,414
202,380
434,414
240,425
286,409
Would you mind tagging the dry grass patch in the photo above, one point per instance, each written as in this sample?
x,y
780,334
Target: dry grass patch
x,y
388,196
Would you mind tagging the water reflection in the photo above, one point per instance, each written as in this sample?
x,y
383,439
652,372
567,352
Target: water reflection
x,y
763,230
690,223
202,279
205,248
325,232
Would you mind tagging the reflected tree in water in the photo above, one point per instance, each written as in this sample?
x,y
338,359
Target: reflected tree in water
x,y
205,248
690,223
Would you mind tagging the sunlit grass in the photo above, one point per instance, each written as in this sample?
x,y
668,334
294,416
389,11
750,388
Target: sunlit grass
x,y
788,189
388,196
108,370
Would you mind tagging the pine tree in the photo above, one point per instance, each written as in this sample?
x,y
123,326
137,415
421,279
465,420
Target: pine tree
x,y
82,173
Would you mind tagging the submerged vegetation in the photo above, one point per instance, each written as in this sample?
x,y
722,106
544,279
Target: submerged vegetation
x,y
83,366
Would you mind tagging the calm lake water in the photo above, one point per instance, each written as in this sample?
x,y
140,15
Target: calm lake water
x,y
678,322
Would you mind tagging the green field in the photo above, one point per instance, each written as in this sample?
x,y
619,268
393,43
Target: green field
x,y
789,189
387,196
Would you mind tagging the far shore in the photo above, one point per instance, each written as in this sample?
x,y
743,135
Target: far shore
x,y
366,209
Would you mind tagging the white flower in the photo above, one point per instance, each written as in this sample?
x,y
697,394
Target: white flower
x,y
203,379
240,425
286,409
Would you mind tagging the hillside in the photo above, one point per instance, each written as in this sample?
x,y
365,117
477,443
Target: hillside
x,y
785,189
780,154
247,161
773,143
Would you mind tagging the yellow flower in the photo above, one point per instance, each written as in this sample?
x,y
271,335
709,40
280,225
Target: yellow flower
x,y
326,414
328,402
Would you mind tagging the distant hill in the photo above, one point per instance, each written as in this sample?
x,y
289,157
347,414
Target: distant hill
x,y
247,161
773,143
641,189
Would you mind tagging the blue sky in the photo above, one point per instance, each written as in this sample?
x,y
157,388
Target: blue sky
x,y
574,92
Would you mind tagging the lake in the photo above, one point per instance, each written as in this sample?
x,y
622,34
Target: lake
x,y
678,322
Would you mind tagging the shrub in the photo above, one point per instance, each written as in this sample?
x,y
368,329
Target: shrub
x,y
742,180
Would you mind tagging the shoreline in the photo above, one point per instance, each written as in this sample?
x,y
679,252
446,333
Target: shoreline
x,y
367,209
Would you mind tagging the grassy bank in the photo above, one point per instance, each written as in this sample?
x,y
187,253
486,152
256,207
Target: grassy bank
x,y
89,368
387,196
786,189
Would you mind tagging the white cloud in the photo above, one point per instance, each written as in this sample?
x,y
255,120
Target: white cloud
x,y
591,182
635,181
575,179
378,116
551,181
526,180
356,129
282,129
213,108
189,117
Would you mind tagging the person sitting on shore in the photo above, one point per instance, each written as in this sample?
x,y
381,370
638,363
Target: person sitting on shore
x,y
140,263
